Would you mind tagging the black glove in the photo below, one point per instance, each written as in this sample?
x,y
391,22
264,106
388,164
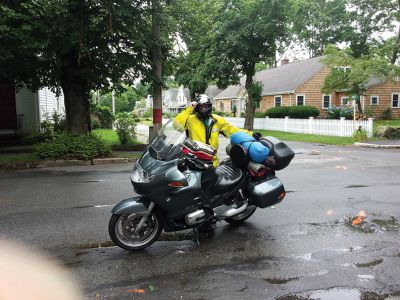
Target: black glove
x,y
257,136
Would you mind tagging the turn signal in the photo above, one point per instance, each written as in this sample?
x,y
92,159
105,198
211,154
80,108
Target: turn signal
x,y
176,184
281,195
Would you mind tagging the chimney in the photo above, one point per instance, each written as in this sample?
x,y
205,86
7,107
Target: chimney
x,y
284,61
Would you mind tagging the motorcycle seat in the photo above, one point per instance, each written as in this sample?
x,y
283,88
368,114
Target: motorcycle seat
x,y
227,177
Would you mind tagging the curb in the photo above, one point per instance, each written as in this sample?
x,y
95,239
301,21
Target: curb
x,y
377,146
64,163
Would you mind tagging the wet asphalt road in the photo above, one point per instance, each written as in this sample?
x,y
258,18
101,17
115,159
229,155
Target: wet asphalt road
x,y
304,248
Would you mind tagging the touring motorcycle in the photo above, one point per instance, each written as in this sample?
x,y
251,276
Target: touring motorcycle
x,y
178,188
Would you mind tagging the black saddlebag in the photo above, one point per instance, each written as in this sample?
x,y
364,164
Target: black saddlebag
x,y
282,153
265,192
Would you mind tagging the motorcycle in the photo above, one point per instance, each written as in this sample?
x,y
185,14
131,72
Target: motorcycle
x,y
179,190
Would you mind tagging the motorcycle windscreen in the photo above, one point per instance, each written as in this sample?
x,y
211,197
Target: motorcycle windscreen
x,y
167,145
266,192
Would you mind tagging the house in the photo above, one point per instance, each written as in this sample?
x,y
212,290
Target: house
x,y
300,83
22,110
175,99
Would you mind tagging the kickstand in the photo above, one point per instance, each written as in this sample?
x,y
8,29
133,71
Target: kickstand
x,y
196,235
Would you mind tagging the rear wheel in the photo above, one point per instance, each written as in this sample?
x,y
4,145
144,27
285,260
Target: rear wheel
x,y
243,216
124,233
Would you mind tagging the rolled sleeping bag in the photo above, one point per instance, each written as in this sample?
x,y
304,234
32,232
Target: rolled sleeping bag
x,y
257,151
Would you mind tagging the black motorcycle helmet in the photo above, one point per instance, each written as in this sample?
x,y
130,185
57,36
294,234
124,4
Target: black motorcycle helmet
x,y
204,107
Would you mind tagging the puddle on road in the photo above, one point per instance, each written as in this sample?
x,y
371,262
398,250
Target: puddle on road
x,y
375,225
353,186
370,264
335,294
279,280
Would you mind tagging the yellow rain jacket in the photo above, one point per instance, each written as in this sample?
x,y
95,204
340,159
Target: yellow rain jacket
x,y
197,130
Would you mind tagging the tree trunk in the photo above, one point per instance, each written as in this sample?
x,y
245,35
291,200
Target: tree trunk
x,y
77,108
157,67
396,48
250,108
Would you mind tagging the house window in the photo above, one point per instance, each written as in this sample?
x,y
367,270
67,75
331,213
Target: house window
x,y
395,100
326,101
221,106
278,100
300,99
344,101
374,100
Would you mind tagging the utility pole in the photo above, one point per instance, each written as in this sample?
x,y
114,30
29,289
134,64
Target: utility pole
x,y
157,70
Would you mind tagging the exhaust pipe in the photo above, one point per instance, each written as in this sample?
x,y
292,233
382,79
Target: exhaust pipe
x,y
226,211
195,217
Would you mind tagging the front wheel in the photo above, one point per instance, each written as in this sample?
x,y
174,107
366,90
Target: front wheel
x,y
243,216
124,233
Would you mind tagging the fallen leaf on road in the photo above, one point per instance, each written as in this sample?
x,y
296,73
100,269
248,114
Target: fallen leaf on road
x,y
138,291
359,218
152,287
341,167
330,212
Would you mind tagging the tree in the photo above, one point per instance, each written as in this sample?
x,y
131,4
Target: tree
x,y
194,22
318,23
126,98
350,74
246,32
75,45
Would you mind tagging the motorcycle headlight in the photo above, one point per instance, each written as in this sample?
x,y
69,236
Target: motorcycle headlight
x,y
140,175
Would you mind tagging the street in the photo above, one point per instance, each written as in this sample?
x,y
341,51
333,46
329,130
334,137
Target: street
x,y
304,248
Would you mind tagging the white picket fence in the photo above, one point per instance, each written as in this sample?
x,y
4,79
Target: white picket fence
x,y
340,127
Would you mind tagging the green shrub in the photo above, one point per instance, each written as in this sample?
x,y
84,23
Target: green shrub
x,y
148,113
392,133
218,113
337,112
259,114
73,146
278,112
295,112
386,114
360,135
125,126
104,114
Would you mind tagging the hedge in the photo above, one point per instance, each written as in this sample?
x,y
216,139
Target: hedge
x,y
295,112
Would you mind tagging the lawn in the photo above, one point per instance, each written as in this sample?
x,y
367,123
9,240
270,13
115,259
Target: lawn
x,y
18,157
393,123
312,138
111,137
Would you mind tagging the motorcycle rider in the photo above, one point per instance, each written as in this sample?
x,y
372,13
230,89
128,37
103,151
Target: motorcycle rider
x,y
203,126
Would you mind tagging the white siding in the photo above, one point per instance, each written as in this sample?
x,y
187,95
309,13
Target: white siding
x,y
49,103
26,104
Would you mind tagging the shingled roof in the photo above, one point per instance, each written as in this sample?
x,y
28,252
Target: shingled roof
x,y
281,80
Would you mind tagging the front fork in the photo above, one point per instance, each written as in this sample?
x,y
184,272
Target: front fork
x,y
145,217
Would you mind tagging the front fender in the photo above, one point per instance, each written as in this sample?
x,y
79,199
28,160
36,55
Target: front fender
x,y
131,205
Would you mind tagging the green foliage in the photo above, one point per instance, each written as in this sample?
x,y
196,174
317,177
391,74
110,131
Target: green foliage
x,y
148,113
254,91
95,122
386,114
360,135
260,114
392,133
125,99
72,146
103,114
337,112
77,45
319,23
125,127
296,112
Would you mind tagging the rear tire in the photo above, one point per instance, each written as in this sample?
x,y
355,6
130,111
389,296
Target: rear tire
x,y
243,216
122,230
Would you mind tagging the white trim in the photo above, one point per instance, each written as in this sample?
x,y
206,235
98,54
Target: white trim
x,y
377,100
398,100
280,96
304,99
323,101
345,97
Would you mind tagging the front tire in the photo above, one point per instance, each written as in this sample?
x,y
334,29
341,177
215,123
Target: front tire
x,y
243,216
122,230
